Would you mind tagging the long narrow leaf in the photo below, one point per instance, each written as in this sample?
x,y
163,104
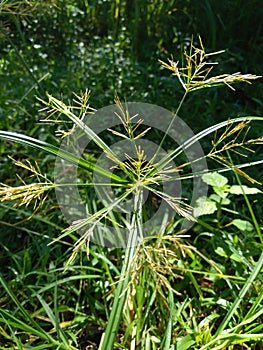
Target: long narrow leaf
x,y
66,280
14,321
62,108
25,314
188,143
51,149
168,331
53,319
241,295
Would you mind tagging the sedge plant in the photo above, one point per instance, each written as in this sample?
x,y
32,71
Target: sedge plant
x,y
131,178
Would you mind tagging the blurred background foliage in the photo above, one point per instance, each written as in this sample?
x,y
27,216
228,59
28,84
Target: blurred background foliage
x,y
65,46
110,47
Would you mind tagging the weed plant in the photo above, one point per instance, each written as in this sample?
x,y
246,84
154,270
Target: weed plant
x,y
199,289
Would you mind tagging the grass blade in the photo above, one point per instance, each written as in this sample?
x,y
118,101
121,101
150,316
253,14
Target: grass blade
x,y
19,305
188,143
51,149
54,320
241,295
14,321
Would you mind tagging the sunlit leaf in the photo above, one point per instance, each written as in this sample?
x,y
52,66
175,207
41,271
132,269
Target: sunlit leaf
x,y
243,225
204,206
214,179
236,189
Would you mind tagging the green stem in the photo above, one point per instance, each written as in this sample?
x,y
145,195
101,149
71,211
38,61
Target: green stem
x,y
170,125
108,338
219,211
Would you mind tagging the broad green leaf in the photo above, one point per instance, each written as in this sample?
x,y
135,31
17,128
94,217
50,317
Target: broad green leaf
x,y
214,179
243,225
218,199
220,251
205,206
221,191
236,189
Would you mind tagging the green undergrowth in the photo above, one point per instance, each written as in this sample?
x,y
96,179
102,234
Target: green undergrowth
x,y
175,290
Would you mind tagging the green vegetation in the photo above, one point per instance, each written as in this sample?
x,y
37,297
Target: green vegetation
x,y
201,288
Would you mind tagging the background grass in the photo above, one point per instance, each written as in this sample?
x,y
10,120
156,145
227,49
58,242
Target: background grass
x,y
66,46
